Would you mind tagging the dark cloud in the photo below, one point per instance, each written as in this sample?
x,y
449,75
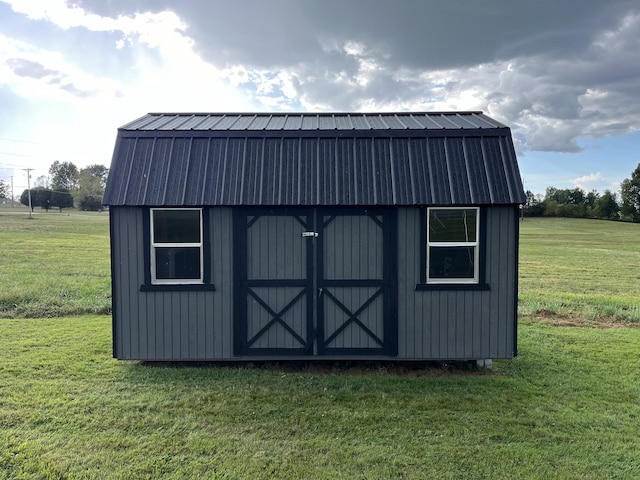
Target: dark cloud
x,y
425,33
556,71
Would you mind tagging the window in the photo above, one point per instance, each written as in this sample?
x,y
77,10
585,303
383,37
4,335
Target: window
x,y
176,246
453,245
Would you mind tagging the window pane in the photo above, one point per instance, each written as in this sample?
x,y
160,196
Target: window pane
x,y
451,262
452,225
176,226
178,263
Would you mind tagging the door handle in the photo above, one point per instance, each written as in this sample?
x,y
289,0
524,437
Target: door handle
x,y
310,234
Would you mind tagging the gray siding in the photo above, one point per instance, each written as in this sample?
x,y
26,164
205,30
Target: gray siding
x,y
169,325
450,324
432,325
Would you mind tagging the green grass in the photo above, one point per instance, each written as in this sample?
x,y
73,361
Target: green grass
x,y
580,271
567,407
54,264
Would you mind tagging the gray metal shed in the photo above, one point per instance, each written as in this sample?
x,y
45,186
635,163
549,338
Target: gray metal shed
x,y
338,236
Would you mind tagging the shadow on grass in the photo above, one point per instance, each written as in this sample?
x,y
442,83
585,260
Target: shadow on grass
x,y
330,367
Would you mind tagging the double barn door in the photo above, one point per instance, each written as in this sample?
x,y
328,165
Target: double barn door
x,y
315,282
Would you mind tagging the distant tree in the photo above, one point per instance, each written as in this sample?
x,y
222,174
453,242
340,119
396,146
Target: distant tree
x,y
91,182
534,207
591,198
42,181
61,199
99,171
46,198
4,189
567,202
607,207
64,176
36,197
42,198
630,193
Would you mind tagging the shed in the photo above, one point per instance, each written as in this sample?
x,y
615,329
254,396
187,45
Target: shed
x,y
328,236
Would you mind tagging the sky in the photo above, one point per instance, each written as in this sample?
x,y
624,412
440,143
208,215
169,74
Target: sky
x,y
564,76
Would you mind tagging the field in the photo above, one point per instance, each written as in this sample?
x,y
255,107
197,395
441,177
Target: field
x,y
580,271
53,264
567,407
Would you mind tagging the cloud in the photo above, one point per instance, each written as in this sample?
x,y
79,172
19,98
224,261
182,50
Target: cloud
x,y
596,181
556,72
28,68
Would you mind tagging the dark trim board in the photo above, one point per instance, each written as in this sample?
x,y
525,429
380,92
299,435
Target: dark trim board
x,y
369,322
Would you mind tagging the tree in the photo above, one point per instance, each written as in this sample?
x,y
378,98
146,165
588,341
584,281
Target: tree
x,y
92,181
42,181
4,189
630,192
99,171
61,199
24,199
40,197
64,176
607,206
534,207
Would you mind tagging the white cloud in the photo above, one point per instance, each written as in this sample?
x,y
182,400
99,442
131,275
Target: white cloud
x,y
596,181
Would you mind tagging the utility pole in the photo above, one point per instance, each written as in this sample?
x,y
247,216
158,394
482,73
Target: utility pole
x,y
28,170
12,195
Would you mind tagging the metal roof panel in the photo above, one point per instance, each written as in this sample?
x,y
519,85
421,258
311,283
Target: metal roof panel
x,y
314,159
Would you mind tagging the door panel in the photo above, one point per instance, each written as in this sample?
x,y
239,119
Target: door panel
x,y
356,307
274,286
315,283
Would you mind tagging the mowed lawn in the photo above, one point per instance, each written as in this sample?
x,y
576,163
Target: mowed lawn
x,y
53,264
567,407
585,271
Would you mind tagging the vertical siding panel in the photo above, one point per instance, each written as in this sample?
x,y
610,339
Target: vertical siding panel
x,y
511,304
494,230
405,330
475,310
469,326
461,331
152,326
125,281
119,261
194,314
225,300
209,343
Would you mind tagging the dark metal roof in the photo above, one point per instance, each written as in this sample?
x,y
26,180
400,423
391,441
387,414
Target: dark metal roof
x,y
463,158
311,121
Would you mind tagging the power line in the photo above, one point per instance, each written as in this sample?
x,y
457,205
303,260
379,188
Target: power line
x,y
10,166
21,141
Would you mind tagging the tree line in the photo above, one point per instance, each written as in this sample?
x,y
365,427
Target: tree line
x,y
575,202
67,187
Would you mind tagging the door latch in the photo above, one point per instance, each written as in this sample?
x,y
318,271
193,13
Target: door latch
x,y
310,234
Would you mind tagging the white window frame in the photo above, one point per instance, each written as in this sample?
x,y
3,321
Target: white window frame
x,y
475,244
154,245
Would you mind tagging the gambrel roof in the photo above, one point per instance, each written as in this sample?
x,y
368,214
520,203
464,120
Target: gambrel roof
x,y
341,159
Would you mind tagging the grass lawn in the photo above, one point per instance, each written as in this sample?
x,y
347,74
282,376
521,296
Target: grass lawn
x,y
580,271
567,407
53,264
